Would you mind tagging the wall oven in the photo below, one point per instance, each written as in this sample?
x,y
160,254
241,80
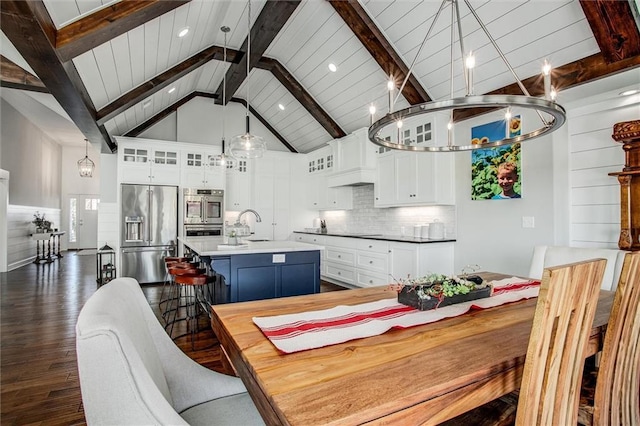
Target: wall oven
x,y
203,206
203,230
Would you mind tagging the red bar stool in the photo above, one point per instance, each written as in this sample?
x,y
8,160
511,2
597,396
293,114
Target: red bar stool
x,y
191,283
167,286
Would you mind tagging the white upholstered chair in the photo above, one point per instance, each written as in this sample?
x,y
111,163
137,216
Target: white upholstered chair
x,y
548,256
131,372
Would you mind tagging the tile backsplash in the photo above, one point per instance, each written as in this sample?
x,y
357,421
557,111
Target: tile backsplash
x,y
365,218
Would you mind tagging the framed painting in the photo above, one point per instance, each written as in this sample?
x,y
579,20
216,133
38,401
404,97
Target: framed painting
x,y
496,172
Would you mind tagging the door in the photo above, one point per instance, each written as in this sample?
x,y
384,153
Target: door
x,y
83,221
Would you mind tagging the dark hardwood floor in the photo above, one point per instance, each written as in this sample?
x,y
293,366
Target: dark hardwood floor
x,y
38,312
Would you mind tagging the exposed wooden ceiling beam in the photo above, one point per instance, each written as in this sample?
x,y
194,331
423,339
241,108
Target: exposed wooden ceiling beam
x,y
265,28
614,28
29,27
366,30
161,81
108,23
15,77
295,88
174,107
572,74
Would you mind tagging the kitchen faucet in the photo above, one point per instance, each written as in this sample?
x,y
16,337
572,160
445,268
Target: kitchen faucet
x,y
258,218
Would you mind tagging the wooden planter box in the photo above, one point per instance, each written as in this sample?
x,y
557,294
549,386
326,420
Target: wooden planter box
x,y
409,296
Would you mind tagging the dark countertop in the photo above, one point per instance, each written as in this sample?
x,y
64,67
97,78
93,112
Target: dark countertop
x,y
380,237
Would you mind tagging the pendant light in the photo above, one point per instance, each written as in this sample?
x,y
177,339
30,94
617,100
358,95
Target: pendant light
x,y
85,165
248,145
222,160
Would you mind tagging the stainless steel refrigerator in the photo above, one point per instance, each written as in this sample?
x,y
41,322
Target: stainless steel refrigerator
x,y
149,222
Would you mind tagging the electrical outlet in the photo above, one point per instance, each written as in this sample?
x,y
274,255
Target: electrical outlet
x,y
528,222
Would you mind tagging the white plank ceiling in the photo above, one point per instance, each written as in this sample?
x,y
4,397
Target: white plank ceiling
x,y
528,32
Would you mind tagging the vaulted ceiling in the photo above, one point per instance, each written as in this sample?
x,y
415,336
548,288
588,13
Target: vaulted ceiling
x,y
109,64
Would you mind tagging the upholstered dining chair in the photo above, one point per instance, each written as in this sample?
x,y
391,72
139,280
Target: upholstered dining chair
x,y
131,372
556,353
546,256
617,390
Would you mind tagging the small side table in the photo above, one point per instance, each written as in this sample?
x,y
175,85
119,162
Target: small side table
x,y
46,254
42,237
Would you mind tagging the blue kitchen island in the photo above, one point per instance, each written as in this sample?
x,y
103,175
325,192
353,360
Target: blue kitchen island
x,y
258,270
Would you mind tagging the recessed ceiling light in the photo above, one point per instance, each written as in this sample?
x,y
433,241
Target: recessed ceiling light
x,y
173,89
281,107
183,32
629,92
333,67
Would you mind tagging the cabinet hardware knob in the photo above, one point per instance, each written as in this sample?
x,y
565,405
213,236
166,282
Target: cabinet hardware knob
x,y
370,246
371,261
339,273
370,281
339,256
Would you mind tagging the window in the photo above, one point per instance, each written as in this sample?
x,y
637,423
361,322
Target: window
x,y
73,219
423,133
91,203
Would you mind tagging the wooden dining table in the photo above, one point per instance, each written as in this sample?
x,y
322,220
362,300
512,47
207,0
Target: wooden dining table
x,y
419,375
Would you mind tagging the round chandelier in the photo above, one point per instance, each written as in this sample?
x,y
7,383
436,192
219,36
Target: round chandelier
x,y
551,115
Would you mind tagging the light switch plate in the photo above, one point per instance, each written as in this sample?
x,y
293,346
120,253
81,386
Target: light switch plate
x,y
528,222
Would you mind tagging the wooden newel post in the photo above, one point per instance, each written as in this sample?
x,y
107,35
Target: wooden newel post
x,y
628,133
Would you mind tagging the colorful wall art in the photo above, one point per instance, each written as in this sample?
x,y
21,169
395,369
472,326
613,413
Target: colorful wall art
x,y
495,172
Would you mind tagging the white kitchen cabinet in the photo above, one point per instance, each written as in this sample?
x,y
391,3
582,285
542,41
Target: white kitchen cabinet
x,y
199,170
355,159
143,163
271,196
414,178
362,262
238,189
322,197
415,260
415,174
385,186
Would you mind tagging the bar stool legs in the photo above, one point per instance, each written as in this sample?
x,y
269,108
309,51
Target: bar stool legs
x,y
188,286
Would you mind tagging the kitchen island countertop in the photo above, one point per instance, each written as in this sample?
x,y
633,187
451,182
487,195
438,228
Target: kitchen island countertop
x,y
208,246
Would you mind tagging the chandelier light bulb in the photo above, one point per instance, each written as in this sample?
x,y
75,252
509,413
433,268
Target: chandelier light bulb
x,y
553,93
469,65
390,86
399,123
372,109
507,115
450,125
546,73
470,61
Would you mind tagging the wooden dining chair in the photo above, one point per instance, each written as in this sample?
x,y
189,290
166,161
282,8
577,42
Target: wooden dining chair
x,y
549,393
617,394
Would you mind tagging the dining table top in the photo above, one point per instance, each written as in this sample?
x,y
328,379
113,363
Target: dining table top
x,y
419,375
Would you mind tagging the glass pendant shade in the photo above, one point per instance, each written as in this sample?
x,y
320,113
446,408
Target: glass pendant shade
x,y
85,165
247,146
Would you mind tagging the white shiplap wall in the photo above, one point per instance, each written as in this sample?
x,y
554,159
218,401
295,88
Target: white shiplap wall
x,y
595,196
21,247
